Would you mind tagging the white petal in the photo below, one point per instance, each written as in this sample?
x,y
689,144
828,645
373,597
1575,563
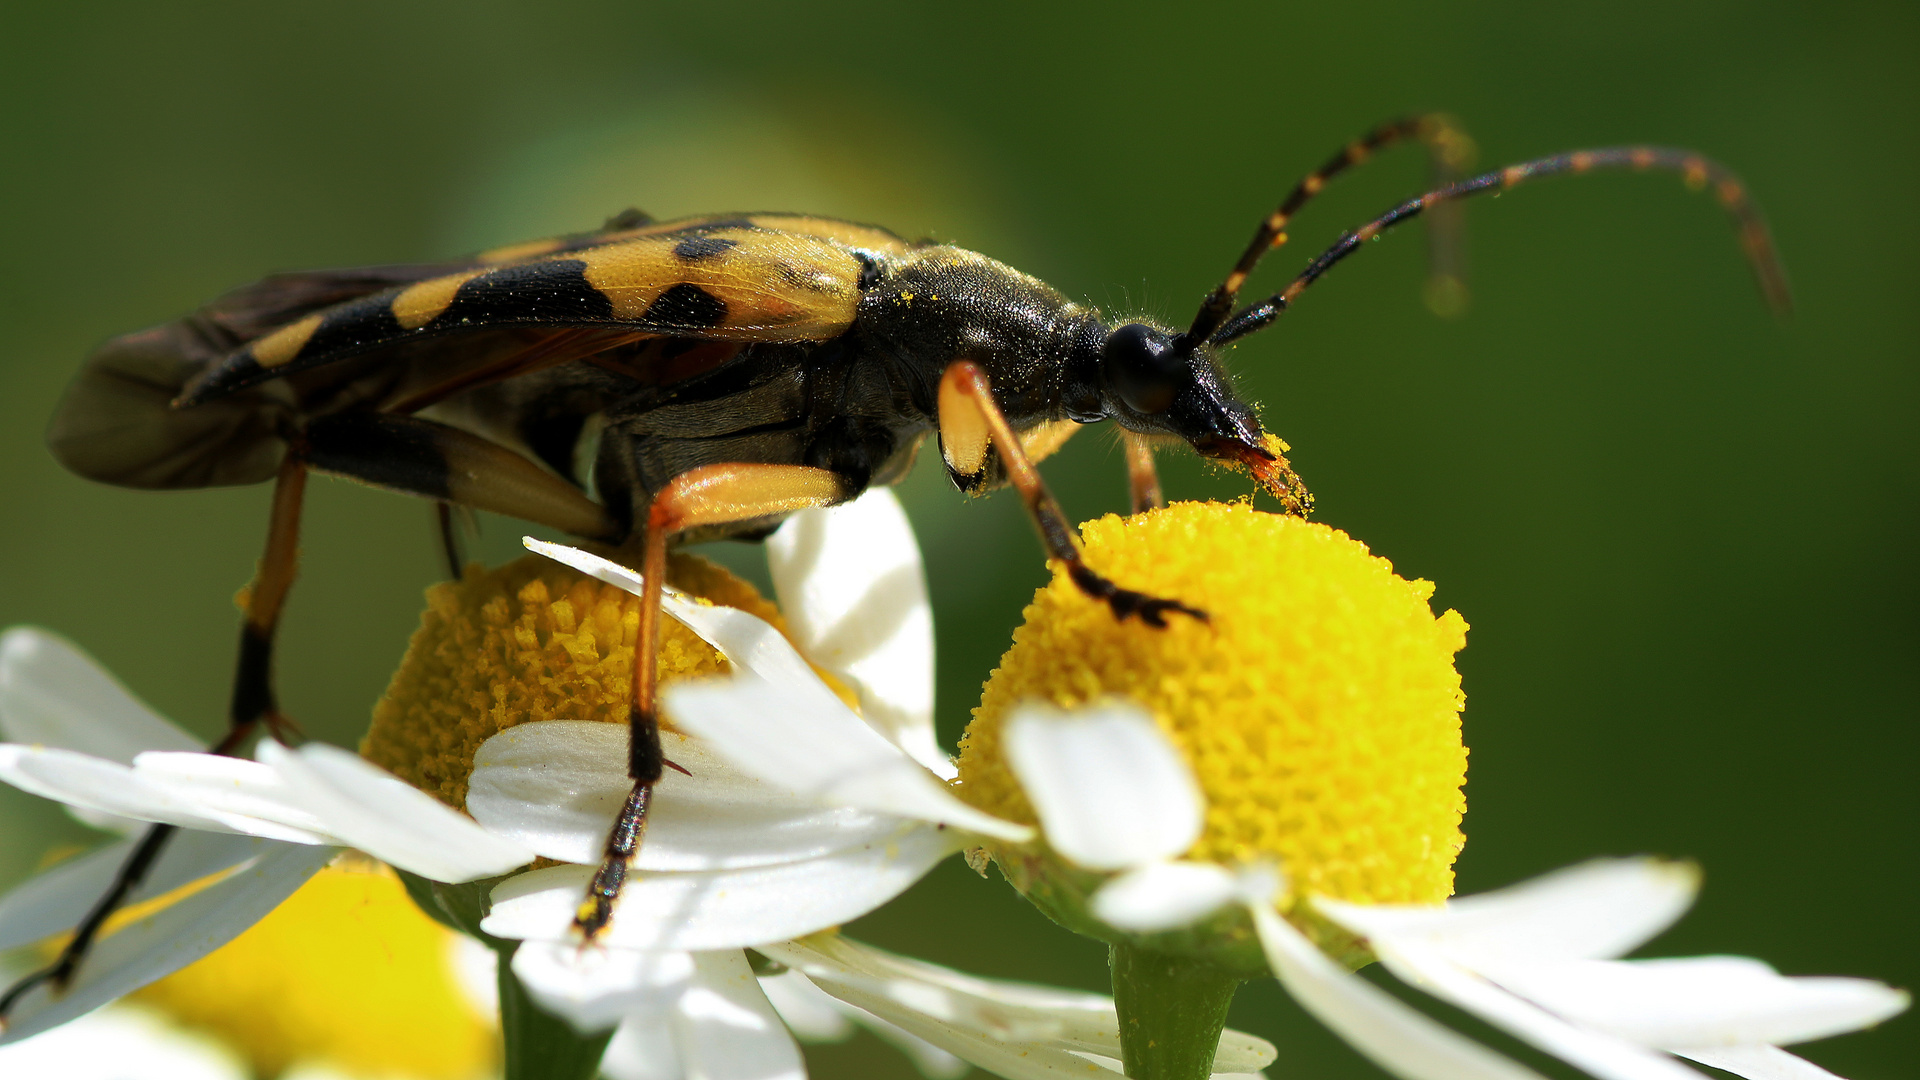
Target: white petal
x,y
1601,1055
54,902
593,987
588,563
965,1007
110,823
1015,1060
725,1028
1014,1041
107,786
1392,1034
1759,1063
1163,895
812,744
723,909
246,794
192,789
52,694
1000,1010
642,1049
1111,790
1594,911
812,1014
555,786
123,1042
930,1060
855,597
1702,1001
377,812
167,940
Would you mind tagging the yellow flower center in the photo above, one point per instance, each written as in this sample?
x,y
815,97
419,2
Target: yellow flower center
x,y
531,640
1318,707
346,973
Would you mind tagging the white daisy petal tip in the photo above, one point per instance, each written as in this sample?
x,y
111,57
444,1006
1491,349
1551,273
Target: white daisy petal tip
x,y
53,693
1404,1041
812,1014
851,584
1757,1062
1016,1030
1259,883
1591,911
362,805
811,744
1164,896
1704,1001
587,563
594,988
1111,790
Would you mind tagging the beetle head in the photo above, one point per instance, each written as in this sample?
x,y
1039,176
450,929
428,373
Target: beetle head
x,y
1157,383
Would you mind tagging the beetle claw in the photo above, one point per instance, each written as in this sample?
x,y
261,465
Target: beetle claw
x,y
1126,603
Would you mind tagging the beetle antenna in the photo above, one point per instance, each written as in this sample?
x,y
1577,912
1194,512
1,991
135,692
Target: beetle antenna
x,y
1450,150
1696,170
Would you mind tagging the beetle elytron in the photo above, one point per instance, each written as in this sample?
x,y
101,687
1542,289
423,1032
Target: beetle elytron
x,y
660,382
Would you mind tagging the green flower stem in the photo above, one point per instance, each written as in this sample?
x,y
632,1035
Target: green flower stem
x,y
1171,1012
539,1045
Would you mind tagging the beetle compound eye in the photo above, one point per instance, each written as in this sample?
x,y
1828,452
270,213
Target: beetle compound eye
x,y
1142,367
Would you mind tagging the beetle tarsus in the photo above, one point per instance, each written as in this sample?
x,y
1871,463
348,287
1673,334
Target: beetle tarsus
x,y
623,844
60,974
1126,603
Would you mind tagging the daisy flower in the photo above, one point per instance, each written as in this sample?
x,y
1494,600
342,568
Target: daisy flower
x,y
1538,959
731,861
257,829
252,832
754,862
729,864
1310,726
347,979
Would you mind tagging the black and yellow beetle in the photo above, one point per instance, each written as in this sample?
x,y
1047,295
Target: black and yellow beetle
x,y
657,382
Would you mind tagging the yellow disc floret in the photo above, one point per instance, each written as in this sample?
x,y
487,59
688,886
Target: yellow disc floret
x,y
531,640
1318,706
346,974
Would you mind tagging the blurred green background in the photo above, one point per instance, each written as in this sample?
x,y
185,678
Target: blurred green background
x,y
1683,533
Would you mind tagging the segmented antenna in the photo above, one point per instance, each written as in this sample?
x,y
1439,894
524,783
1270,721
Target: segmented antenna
x,y
1451,151
1697,171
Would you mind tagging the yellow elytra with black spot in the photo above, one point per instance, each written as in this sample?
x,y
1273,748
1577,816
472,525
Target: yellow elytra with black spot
x,y
737,280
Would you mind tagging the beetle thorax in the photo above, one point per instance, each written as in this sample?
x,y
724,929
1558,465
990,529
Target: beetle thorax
x,y
939,304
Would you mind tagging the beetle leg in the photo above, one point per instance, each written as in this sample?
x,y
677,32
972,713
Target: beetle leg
x,y
253,697
252,704
444,528
709,495
1143,480
971,423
